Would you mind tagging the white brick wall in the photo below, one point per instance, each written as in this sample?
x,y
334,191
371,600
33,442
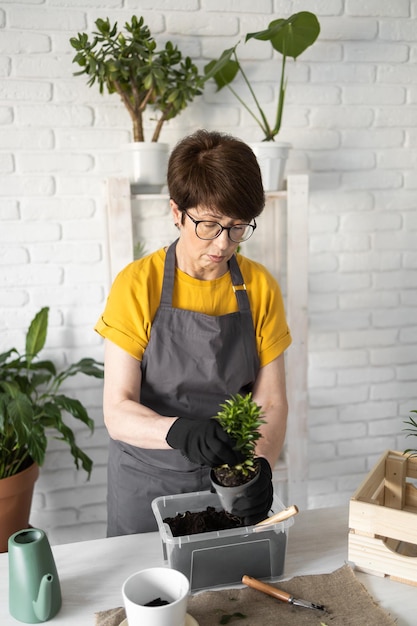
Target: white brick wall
x,y
352,119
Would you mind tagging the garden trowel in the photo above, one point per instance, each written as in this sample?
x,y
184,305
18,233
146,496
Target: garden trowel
x,y
279,594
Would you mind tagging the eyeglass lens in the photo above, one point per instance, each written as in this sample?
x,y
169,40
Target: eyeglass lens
x,y
211,230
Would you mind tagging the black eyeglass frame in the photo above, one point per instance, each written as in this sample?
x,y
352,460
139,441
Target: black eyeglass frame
x,y
222,228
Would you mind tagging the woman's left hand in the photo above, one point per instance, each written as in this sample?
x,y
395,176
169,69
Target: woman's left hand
x,y
254,505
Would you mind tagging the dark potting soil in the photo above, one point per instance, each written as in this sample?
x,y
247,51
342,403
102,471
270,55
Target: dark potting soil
x,y
202,522
226,477
157,602
229,477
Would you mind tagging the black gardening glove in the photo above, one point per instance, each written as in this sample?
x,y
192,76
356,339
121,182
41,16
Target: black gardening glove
x,y
254,505
203,441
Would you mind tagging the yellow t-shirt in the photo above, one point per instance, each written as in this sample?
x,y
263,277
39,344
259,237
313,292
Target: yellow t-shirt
x,y
135,296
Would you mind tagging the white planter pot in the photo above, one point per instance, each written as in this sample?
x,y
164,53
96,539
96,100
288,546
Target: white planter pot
x,y
272,158
146,166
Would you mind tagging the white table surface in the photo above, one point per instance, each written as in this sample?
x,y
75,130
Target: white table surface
x,y
92,572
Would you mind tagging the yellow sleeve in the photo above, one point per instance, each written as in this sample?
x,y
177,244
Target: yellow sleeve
x,y
271,329
132,304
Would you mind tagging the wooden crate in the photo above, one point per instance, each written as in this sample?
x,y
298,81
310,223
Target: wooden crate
x,y
383,519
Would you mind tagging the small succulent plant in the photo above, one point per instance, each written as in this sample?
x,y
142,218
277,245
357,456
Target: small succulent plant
x,y
241,418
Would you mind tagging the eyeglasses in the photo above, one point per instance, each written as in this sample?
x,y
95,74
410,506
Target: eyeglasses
x,y
205,229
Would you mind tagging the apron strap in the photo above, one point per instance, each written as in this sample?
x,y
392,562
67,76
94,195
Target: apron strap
x,y
169,274
239,286
242,297
238,283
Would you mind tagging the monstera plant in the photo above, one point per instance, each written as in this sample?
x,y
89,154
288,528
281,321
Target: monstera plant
x,y
289,37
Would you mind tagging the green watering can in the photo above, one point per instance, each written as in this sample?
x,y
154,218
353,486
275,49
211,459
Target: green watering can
x,y
34,589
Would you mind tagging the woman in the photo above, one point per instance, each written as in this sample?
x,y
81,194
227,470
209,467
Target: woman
x,y
185,328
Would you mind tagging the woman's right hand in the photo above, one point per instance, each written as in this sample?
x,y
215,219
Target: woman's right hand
x,y
203,441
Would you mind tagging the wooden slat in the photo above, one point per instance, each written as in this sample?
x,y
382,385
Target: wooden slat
x,y
410,496
371,483
372,555
412,467
381,520
297,354
395,474
119,220
378,497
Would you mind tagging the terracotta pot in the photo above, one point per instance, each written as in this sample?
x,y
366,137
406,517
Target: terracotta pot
x,y
228,495
15,502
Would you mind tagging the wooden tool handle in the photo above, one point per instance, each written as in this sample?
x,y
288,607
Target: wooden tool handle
x,y
265,588
280,516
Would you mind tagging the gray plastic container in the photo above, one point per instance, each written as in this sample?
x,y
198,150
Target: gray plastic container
x,y
222,557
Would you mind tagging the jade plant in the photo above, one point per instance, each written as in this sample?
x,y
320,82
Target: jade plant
x,y
411,432
241,417
32,405
146,77
290,37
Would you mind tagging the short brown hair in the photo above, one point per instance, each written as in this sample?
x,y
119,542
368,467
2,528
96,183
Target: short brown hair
x,y
217,171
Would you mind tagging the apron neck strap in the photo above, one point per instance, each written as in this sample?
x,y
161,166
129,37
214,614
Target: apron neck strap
x,y
169,275
238,283
239,286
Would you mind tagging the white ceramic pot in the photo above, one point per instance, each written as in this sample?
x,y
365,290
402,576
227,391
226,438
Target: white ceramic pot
x,y
272,158
146,165
156,583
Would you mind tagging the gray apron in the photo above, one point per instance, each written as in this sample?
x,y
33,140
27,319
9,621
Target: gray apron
x,y
192,364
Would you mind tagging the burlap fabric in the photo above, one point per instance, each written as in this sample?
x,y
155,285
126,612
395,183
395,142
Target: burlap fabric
x,y
111,617
347,603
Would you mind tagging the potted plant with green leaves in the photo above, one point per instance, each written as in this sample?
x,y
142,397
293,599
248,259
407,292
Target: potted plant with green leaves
x,y
290,38
160,81
241,417
32,407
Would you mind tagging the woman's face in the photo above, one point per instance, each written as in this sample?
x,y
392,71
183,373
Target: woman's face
x,y
201,258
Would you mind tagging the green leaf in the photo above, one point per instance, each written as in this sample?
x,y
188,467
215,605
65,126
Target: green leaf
x,y
224,70
103,26
75,408
47,366
20,410
292,36
78,455
6,355
10,387
37,444
89,367
36,335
